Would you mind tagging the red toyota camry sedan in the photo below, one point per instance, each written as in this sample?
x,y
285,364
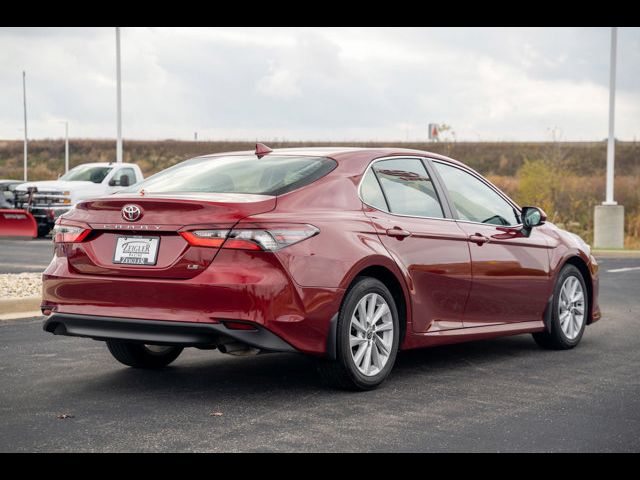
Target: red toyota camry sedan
x,y
344,254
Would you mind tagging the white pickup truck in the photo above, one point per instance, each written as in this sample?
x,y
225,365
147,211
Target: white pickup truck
x,y
47,200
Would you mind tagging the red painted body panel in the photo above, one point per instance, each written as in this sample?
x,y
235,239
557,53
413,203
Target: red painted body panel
x,y
510,276
162,218
566,247
454,289
436,262
239,285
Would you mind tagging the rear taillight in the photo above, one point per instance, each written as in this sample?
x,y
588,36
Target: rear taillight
x,y
69,234
263,237
205,238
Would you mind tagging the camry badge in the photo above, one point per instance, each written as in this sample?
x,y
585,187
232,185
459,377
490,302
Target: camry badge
x,y
131,213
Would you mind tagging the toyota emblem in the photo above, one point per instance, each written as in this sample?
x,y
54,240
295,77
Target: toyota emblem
x,y
131,213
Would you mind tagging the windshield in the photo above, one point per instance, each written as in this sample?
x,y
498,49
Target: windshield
x,y
271,175
86,173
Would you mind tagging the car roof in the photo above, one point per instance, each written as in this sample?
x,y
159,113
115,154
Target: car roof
x,y
343,153
102,164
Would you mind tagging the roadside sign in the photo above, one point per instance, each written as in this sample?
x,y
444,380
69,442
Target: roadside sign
x,y
433,131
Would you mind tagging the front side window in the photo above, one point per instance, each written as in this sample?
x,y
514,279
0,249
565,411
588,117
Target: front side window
x,y
408,187
86,173
474,200
270,175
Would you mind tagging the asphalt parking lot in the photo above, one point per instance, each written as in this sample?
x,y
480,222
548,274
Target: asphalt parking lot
x,y
496,395
18,256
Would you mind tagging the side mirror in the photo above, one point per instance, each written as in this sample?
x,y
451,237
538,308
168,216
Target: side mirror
x,y
532,217
112,182
124,181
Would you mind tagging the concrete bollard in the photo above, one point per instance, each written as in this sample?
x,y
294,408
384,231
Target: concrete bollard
x,y
608,226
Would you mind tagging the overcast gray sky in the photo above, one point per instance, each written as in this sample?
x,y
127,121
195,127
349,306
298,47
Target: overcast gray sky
x,y
320,83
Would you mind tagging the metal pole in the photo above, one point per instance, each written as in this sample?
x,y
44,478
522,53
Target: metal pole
x,y
119,141
24,99
612,108
66,147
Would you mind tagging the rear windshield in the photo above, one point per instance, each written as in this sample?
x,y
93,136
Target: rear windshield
x,y
270,175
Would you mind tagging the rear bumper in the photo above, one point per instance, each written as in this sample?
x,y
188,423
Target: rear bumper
x,y
161,332
237,286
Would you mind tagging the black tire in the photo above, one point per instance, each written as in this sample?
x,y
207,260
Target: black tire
x,y
555,338
342,372
43,230
138,355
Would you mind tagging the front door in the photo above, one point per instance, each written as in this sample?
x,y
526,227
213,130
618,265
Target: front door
x,y
410,220
511,281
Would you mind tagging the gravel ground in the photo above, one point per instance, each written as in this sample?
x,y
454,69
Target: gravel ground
x,y
19,285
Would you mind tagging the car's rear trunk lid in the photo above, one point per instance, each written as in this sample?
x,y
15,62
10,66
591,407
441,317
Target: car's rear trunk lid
x,y
160,220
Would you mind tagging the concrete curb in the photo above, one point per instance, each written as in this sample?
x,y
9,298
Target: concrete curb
x,y
616,253
21,315
20,304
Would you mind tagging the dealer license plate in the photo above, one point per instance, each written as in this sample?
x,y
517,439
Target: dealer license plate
x,y
134,250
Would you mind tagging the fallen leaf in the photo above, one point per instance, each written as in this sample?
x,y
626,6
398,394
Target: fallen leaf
x,y
64,416
215,414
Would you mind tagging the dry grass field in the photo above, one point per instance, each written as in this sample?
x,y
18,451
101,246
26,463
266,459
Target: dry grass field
x,y
564,178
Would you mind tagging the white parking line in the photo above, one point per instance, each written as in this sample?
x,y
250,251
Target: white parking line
x,y
625,269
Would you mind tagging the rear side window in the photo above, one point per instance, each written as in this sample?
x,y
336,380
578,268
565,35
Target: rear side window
x,y
270,175
408,188
371,192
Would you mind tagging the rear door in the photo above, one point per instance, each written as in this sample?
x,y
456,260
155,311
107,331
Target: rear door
x,y
412,223
510,269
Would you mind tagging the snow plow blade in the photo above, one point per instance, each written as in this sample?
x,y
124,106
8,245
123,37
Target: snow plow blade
x,y
17,223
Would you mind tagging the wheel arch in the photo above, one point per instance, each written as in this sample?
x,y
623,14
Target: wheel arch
x,y
578,262
390,281
396,285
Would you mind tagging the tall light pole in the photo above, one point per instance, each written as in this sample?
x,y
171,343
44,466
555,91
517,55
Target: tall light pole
x,y
24,101
66,146
609,217
611,145
119,108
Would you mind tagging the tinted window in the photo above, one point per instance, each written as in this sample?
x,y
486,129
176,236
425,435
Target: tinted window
x,y
371,192
86,173
408,188
270,175
474,200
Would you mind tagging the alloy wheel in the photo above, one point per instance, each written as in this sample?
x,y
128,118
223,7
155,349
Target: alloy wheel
x,y
571,307
371,334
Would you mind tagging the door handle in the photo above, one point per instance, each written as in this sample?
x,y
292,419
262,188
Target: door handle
x,y
398,232
478,239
